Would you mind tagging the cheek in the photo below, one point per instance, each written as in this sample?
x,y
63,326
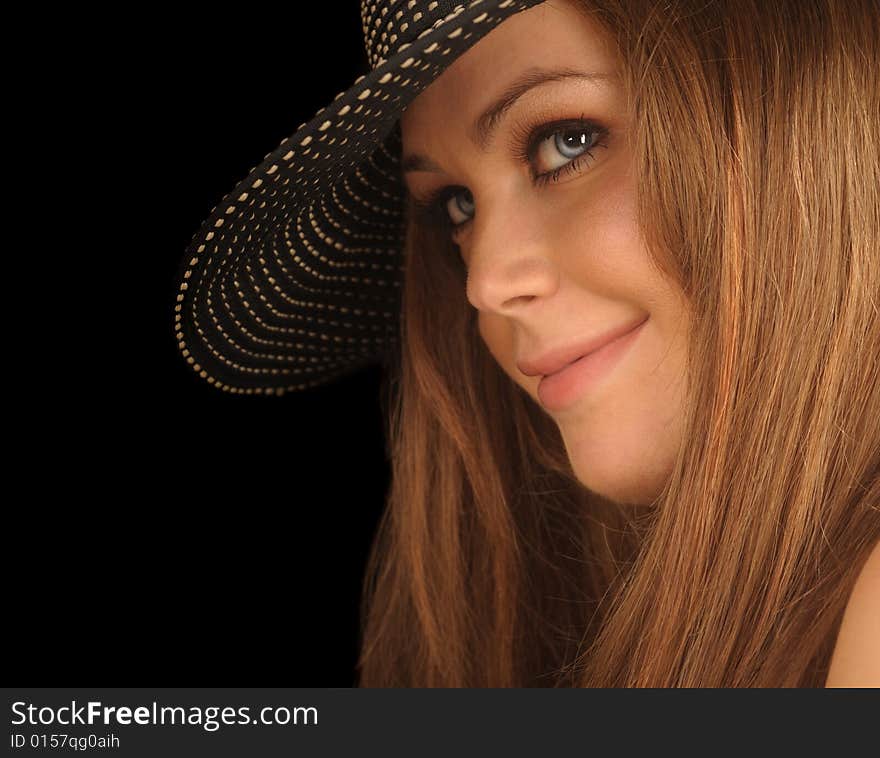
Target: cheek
x,y
497,335
594,241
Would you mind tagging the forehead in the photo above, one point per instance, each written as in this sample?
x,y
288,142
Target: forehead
x,y
555,33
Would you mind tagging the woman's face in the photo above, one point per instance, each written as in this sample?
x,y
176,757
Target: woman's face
x,y
551,265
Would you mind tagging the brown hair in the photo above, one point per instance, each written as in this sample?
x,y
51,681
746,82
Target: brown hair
x,y
757,151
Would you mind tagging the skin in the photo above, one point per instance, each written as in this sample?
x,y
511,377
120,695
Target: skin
x,y
551,265
856,658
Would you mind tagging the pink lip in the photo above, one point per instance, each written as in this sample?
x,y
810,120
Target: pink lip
x,y
553,361
559,390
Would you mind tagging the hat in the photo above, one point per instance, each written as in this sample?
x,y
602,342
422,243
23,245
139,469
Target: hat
x,y
295,277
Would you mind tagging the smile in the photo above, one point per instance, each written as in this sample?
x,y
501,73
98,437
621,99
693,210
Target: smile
x,y
560,390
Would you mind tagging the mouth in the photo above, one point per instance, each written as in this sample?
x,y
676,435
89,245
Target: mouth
x,y
560,390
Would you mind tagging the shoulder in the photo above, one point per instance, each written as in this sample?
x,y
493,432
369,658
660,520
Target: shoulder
x,y
856,658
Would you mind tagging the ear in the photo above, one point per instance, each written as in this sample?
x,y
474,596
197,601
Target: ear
x,y
856,658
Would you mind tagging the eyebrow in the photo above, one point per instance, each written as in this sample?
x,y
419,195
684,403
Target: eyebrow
x,y
484,127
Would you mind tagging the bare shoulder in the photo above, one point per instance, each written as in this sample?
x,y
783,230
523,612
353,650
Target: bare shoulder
x,y
856,658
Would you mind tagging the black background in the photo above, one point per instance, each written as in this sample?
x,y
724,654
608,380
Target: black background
x,y
166,531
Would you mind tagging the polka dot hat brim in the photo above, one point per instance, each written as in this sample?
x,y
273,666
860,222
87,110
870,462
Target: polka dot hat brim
x,y
295,277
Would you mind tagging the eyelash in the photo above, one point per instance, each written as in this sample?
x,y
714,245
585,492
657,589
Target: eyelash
x,y
526,140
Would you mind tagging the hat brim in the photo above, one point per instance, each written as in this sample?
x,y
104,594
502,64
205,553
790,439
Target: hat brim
x,y
295,277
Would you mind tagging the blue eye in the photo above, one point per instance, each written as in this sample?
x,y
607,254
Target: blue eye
x,y
573,141
461,202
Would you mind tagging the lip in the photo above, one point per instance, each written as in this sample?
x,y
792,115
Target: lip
x,y
561,389
553,361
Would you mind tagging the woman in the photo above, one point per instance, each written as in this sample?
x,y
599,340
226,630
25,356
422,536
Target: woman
x,y
687,194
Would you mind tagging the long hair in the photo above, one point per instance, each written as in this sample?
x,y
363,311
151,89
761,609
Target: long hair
x,y
757,151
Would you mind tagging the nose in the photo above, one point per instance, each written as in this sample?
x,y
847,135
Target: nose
x,y
509,258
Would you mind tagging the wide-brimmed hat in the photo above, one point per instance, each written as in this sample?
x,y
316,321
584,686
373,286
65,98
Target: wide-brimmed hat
x,y
295,277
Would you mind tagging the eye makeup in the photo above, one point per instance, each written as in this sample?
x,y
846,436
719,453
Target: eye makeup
x,y
526,141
